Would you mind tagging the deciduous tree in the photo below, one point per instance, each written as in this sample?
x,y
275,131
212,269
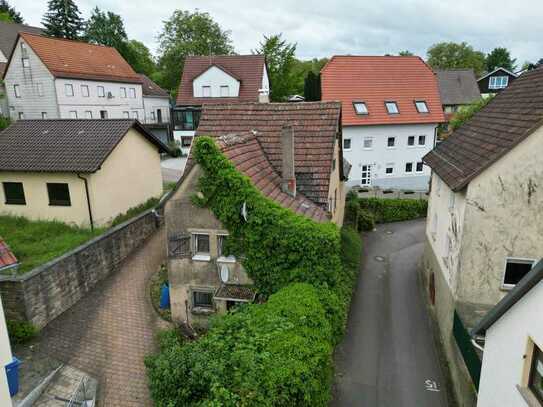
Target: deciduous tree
x,y
447,55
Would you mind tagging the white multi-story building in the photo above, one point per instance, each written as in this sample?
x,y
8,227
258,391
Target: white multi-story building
x,y
391,109
213,80
51,78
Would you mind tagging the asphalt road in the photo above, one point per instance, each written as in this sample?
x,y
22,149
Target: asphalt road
x,y
388,357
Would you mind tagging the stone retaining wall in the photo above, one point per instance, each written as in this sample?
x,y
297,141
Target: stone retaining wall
x,y
47,291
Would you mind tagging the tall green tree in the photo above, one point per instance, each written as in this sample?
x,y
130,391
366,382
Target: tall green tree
x,y
188,33
500,58
312,87
528,66
281,61
301,70
63,19
447,55
14,16
405,53
141,58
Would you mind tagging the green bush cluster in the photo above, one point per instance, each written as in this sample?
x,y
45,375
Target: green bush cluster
x,y
394,210
134,211
357,217
20,331
278,353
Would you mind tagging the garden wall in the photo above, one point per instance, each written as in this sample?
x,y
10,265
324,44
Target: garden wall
x,y
45,292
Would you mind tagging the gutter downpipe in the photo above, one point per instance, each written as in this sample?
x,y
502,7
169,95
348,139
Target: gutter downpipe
x,y
88,199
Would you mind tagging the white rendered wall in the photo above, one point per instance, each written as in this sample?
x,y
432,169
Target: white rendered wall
x,y
380,155
215,78
152,104
5,358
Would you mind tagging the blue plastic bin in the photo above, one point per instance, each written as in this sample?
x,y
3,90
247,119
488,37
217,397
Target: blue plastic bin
x,y
165,296
12,372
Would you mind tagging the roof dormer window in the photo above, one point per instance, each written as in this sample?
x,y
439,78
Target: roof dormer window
x,y
392,107
421,105
360,107
498,82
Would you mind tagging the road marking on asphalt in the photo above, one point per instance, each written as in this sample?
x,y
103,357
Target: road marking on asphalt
x,y
431,385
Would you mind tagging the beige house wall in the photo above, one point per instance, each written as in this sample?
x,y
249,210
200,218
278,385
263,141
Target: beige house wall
x,y
336,192
37,200
129,177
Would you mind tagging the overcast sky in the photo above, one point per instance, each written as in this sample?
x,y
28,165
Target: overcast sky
x,y
324,28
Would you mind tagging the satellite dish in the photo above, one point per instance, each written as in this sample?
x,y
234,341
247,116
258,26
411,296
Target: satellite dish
x,y
225,272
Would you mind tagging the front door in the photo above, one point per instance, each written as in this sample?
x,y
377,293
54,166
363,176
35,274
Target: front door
x,y
159,115
365,180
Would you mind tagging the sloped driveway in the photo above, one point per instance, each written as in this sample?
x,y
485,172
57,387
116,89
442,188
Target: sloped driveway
x,y
388,357
109,332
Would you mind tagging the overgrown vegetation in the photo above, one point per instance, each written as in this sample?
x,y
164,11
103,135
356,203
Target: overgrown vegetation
x,y
394,210
20,331
134,211
157,280
273,354
465,113
37,242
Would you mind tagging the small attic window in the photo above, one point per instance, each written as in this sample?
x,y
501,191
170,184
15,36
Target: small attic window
x,y
515,270
421,105
392,107
360,107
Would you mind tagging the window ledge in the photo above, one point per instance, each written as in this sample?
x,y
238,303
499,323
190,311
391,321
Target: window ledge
x,y
202,310
528,396
201,257
228,259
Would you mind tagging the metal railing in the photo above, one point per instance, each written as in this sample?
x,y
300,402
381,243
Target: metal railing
x,y
80,397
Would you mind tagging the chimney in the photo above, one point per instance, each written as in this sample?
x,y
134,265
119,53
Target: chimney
x,y
263,96
288,179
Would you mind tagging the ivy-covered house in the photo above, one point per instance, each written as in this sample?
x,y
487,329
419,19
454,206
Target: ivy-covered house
x,y
291,154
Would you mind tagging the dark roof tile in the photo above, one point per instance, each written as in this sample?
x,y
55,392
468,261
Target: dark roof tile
x,y
457,86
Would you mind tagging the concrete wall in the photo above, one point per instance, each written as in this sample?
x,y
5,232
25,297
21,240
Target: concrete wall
x,y
380,155
37,200
44,293
30,81
215,78
503,219
507,342
129,177
117,106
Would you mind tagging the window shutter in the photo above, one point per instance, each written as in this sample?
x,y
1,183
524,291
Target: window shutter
x,y
179,246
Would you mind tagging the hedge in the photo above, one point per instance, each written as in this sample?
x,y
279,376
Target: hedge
x,y
278,353
394,210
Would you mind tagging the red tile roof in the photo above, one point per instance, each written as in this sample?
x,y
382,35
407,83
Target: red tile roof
x,y
315,126
79,60
7,258
376,79
248,69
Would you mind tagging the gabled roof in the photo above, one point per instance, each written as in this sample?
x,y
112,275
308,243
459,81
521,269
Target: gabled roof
x,y
248,69
80,60
315,126
222,68
378,79
7,258
529,281
496,129
150,88
498,70
9,33
457,86
64,145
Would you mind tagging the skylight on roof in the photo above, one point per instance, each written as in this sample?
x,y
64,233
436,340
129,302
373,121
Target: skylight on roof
x,y
392,107
421,105
360,107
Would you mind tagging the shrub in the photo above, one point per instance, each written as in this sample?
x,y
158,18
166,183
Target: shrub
x,y
366,221
134,211
394,210
175,148
4,122
20,331
465,113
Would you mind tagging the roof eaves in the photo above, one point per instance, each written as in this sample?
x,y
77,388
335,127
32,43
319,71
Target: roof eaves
x,y
523,286
496,70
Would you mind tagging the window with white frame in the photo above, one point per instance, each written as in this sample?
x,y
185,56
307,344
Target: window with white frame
x,y
26,62
123,92
411,140
498,82
515,270
422,140
39,85
202,299
421,105
360,108
101,91
88,114
103,114
24,51
535,375
21,115
389,169
17,91
73,114
225,91
420,166
68,89
201,248
132,92
408,167
44,115
368,143
206,91
85,91
392,107
346,144
391,141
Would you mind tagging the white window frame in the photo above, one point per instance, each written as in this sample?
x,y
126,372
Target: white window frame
x,y
393,142
521,260
370,139
498,82
414,142
68,90
423,104
422,167
123,92
85,91
387,166
25,62
44,115
17,90
225,94
350,144
198,255
360,108
101,91
73,114
106,114
132,93
21,115
39,87
88,114
412,167
418,140
366,181
391,103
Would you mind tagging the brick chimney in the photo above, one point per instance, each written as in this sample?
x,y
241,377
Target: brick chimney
x,y
288,178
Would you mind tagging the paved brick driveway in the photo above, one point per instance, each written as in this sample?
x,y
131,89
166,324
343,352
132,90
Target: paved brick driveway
x,y
110,331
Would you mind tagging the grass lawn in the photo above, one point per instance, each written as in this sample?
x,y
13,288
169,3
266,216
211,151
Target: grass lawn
x,y
37,242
